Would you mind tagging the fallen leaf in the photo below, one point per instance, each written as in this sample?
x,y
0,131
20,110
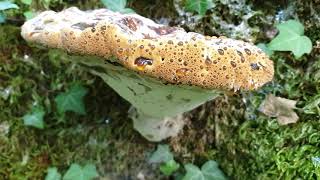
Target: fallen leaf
x,y
281,108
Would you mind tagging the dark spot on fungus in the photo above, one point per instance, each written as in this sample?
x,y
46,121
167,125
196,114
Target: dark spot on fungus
x,y
220,51
208,61
181,72
120,50
163,30
224,68
247,51
233,64
131,23
82,25
254,66
142,62
103,28
242,59
261,65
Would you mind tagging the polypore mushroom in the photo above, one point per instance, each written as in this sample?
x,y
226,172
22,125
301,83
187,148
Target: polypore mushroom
x,y
172,71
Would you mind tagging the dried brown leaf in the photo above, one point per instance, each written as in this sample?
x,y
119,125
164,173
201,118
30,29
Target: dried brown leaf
x,y
281,108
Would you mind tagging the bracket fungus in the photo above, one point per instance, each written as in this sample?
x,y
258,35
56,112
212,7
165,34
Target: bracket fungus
x,y
162,71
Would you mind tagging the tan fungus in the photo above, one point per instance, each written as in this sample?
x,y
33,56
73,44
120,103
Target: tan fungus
x,y
167,53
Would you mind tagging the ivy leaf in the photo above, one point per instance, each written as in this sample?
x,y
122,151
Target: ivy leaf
x,y
211,171
162,154
34,118
4,5
200,6
27,2
291,39
265,49
2,18
117,6
127,11
53,174
28,15
76,172
193,173
72,100
169,167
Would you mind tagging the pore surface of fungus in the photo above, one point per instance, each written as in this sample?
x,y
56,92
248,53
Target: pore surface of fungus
x,y
168,53
163,61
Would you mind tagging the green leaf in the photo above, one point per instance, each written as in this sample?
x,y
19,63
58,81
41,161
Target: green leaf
x,y
127,11
162,154
193,173
72,100
34,118
113,5
2,18
200,6
7,5
265,49
28,15
211,171
169,167
53,174
27,2
76,172
291,39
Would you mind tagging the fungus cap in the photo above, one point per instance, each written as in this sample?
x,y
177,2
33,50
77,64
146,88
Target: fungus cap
x,y
168,53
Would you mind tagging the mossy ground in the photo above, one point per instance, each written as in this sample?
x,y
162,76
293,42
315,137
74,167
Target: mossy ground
x,y
246,144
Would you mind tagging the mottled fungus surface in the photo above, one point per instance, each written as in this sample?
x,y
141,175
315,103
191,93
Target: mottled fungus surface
x,y
166,53
164,71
